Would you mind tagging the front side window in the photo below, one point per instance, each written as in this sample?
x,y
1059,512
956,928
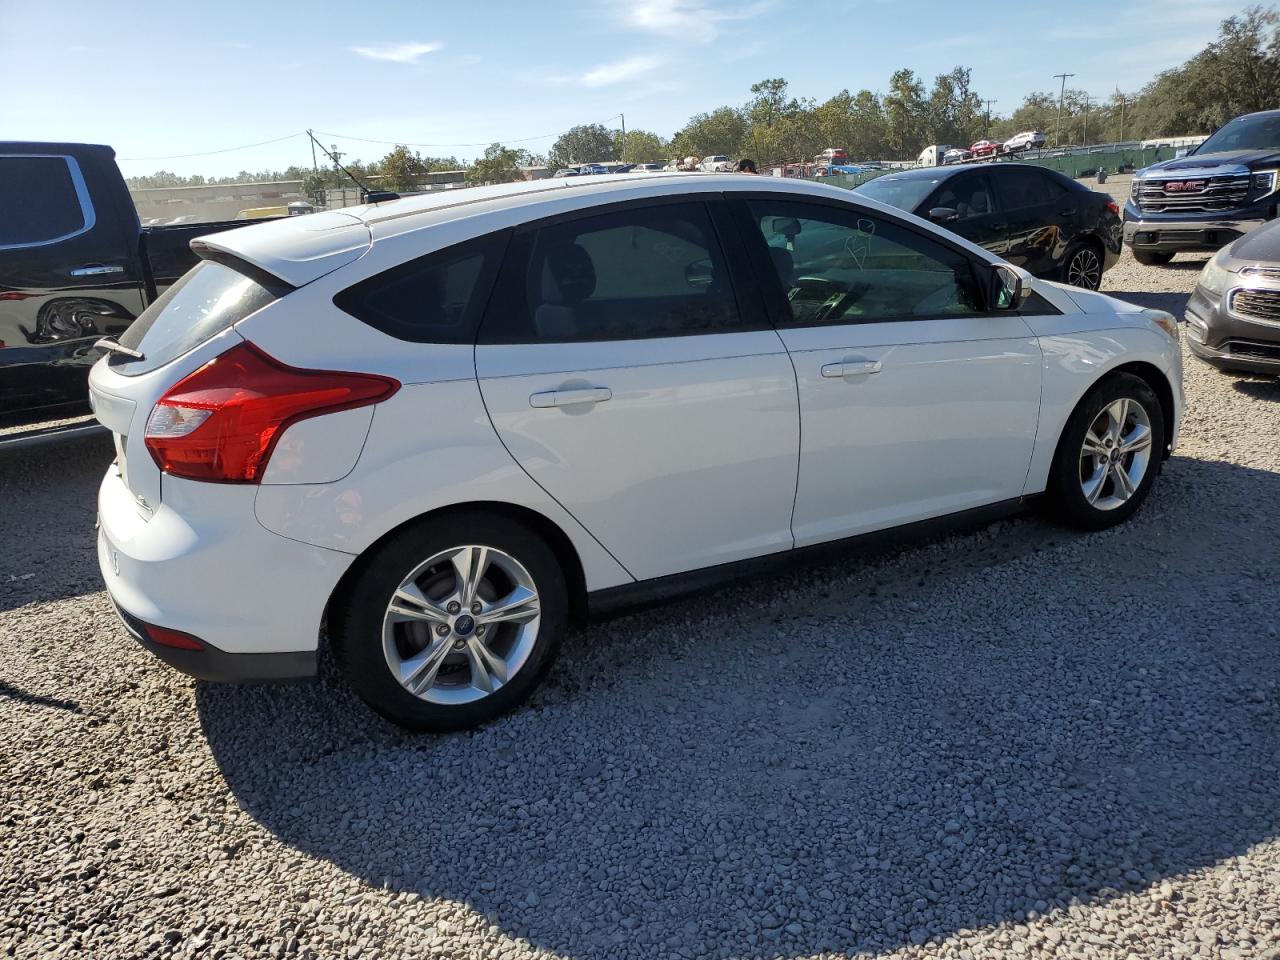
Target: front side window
x,y
1020,188
838,266
42,199
905,193
628,274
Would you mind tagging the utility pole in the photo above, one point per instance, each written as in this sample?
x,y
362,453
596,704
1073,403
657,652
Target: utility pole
x,y
1121,96
1061,96
623,152
315,168
989,103
1086,119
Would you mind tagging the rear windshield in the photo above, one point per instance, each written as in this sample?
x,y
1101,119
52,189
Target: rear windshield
x,y
208,299
905,193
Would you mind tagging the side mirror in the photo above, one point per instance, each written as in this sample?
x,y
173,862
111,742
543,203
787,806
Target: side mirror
x,y
1180,153
698,273
1010,287
944,214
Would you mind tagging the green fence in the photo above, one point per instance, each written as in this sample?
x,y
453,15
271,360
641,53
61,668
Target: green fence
x,y
1114,158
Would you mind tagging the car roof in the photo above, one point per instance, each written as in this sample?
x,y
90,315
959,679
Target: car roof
x,y
299,250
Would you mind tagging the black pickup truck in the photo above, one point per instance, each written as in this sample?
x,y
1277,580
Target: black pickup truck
x,y
75,266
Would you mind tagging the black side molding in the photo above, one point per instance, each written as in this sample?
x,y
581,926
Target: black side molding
x,y
630,597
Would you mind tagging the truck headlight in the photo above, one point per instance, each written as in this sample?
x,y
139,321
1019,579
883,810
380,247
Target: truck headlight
x,y
1214,278
1264,181
1134,186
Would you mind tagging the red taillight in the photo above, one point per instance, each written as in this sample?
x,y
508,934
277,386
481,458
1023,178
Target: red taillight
x,y
221,423
1113,207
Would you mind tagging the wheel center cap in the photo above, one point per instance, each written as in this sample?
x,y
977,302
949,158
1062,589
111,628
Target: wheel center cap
x,y
1115,455
464,625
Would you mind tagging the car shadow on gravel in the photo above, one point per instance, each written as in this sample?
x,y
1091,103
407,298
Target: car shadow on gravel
x,y
851,758
49,498
1259,387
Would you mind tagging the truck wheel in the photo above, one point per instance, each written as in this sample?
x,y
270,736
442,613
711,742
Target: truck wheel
x,y
1152,258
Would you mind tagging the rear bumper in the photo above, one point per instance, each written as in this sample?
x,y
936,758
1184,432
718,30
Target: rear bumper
x,y
220,666
204,566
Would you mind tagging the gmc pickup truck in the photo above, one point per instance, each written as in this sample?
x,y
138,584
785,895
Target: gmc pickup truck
x,y
1223,189
75,266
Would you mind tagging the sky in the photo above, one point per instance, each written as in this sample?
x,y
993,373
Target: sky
x,y
162,81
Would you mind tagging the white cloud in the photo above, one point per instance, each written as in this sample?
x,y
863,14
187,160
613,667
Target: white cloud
x,y
619,72
694,20
397,52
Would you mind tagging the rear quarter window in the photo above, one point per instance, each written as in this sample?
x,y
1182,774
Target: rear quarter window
x,y
43,199
205,301
438,298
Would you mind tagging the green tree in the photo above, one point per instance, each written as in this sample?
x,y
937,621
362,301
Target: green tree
x,y
641,146
589,143
719,132
905,114
499,164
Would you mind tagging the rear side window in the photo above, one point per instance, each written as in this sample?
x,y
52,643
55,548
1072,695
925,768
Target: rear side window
x,y
629,274
1021,188
43,199
435,299
205,301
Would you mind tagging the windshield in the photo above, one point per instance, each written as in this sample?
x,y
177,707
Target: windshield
x,y
905,193
1247,133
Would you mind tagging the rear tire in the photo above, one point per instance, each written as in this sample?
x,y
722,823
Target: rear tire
x,y
1153,258
1083,265
452,622
1108,456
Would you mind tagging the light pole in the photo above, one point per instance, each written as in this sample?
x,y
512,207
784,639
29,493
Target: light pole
x,y
1061,96
989,103
1121,96
1086,120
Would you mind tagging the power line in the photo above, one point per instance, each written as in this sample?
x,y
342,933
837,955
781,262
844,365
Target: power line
x,y
482,143
210,153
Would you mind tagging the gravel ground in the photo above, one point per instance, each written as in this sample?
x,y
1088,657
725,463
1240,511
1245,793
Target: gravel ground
x,y
1017,741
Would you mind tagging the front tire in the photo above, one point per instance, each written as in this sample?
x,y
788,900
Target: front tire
x,y
1108,456
1153,258
452,622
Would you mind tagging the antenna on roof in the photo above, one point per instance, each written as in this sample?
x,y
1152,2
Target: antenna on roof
x,y
367,195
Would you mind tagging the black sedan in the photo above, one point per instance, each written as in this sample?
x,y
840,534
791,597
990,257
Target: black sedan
x,y
1233,317
1032,217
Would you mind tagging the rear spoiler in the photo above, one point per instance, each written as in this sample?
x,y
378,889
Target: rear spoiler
x,y
268,281
291,250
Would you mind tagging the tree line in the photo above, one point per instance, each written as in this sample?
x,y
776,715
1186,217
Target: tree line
x,y
1239,72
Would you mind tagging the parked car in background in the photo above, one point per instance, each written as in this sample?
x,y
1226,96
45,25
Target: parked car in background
x,y
932,155
832,155
718,163
565,172
1233,316
646,167
1037,219
1224,188
1027,140
986,148
268,414
955,155
75,266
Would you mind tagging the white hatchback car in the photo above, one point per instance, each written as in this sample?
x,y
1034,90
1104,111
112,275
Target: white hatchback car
x,y
440,430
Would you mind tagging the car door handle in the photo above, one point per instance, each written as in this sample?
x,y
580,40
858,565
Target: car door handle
x,y
566,398
853,367
95,270
1067,212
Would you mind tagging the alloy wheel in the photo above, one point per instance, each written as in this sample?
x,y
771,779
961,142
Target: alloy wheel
x,y
1116,454
1084,269
461,625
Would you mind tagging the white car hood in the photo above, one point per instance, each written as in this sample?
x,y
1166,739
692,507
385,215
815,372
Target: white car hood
x,y
1090,301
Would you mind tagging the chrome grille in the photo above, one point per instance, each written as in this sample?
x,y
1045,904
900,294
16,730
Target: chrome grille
x,y
1263,305
1218,193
